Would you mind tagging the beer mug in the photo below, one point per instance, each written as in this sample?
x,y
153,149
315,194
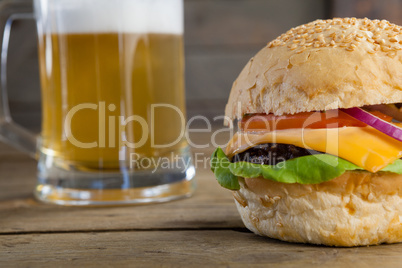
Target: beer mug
x,y
113,104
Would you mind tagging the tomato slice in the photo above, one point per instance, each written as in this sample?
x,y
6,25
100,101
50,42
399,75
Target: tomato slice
x,y
381,115
315,120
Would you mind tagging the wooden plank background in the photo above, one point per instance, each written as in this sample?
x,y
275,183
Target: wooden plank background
x,y
220,37
204,248
372,9
211,207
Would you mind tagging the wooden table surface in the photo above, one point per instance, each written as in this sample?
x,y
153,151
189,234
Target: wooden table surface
x,y
204,230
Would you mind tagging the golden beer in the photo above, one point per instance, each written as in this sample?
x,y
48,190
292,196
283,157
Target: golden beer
x,y
113,120
112,76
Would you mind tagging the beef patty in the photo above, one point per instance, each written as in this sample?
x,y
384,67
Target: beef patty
x,y
272,153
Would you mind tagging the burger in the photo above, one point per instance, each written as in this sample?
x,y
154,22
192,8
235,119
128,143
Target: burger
x,y
317,155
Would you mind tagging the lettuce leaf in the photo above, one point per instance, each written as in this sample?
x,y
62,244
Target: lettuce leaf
x,y
220,167
309,169
395,167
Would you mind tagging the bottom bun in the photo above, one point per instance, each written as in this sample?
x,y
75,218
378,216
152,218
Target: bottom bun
x,y
356,209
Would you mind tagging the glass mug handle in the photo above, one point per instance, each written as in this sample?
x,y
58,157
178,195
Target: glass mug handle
x,y
10,132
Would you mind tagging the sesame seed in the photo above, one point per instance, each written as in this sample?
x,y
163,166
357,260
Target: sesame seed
x,y
391,54
345,33
275,43
348,40
320,37
385,49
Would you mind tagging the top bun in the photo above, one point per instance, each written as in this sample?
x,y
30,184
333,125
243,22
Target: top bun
x,y
322,65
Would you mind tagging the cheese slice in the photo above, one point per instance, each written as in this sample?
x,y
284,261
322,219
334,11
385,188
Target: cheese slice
x,y
366,147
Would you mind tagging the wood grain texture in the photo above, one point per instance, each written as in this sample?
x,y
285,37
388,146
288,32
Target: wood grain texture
x,y
372,9
205,84
220,36
224,248
245,23
210,207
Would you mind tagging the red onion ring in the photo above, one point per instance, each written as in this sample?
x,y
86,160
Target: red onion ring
x,y
375,122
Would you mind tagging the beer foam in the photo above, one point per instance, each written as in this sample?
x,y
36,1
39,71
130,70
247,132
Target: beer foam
x,y
131,16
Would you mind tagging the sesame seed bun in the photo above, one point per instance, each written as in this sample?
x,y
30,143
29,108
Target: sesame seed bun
x,y
322,65
356,209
